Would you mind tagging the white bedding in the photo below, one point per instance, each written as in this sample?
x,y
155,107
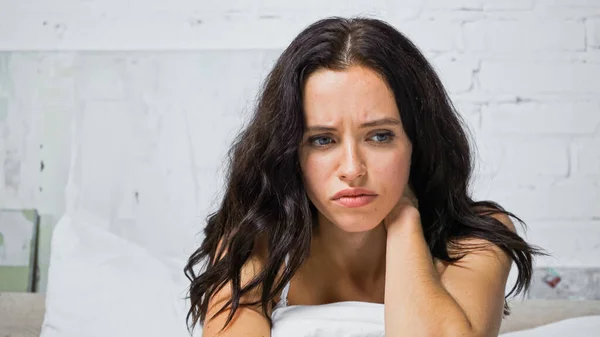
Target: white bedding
x,y
102,285
359,319
585,326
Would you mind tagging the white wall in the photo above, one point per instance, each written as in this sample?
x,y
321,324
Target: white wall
x,y
167,83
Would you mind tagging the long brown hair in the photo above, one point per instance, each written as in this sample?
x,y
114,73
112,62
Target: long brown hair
x,y
264,193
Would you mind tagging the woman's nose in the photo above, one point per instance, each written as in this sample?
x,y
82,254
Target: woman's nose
x,y
352,165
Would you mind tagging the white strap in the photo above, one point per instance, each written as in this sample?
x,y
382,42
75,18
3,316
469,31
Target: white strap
x,y
284,294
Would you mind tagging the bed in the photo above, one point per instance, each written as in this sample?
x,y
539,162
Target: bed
x,y
22,314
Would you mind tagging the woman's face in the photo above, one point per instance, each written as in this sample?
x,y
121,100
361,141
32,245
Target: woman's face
x,y
353,138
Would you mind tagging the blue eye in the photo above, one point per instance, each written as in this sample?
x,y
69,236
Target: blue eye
x,y
388,136
314,140
380,137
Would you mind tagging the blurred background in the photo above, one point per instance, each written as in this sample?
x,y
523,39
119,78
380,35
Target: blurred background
x,y
123,111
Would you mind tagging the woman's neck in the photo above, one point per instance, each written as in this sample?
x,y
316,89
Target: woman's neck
x,y
357,257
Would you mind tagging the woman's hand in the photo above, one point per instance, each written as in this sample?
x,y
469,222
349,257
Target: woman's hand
x,y
406,211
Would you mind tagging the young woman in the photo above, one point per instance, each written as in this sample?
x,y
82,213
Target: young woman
x,y
347,197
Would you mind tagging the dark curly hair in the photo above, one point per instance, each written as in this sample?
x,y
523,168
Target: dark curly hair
x,y
265,196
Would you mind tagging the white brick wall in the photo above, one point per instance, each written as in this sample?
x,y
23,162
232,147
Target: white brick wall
x,y
593,33
498,36
524,73
518,77
542,119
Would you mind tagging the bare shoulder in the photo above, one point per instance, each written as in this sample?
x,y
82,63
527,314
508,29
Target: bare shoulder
x,y
503,218
477,281
484,247
247,318
481,244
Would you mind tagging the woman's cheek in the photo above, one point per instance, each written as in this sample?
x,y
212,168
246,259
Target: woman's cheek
x,y
395,175
315,180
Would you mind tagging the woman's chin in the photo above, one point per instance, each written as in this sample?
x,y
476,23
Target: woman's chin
x,y
352,223
354,227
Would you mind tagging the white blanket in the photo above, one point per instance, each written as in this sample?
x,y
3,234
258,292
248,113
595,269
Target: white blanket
x,y
585,326
360,319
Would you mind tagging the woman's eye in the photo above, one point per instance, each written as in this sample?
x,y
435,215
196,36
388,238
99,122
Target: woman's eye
x,y
316,141
380,137
383,137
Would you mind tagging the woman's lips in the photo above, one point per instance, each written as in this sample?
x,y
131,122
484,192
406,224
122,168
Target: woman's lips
x,y
355,201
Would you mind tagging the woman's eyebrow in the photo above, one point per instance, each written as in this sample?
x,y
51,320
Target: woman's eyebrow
x,y
380,122
377,122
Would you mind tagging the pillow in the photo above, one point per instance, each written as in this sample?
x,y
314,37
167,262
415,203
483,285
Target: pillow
x,y
102,285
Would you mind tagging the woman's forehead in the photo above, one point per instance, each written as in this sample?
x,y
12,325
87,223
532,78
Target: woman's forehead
x,y
356,93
